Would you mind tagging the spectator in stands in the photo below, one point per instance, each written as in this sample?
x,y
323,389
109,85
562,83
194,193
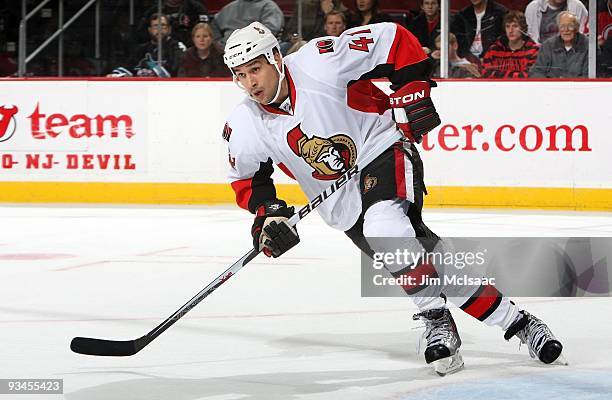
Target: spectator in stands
x,y
564,55
604,61
144,57
604,41
313,24
542,17
335,23
604,21
369,13
205,57
457,67
426,25
121,39
513,54
478,26
9,27
8,63
240,13
183,16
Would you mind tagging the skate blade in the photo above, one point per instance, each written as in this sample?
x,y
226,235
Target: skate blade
x,y
560,360
448,365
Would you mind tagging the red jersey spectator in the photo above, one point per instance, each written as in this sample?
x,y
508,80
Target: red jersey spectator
x,y
204,58
604,21
513,54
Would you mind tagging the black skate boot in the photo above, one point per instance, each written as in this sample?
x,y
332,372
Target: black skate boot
x,y
443,340
538,338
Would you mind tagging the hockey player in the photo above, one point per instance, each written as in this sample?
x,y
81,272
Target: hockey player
x,y
311,114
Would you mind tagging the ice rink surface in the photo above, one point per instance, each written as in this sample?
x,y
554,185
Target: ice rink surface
x,y
292,328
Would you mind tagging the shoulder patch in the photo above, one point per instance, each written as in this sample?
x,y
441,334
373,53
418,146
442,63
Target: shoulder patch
x,y
325,46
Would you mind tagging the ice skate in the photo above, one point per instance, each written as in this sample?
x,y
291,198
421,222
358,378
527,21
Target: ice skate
x,y
443,341
538,338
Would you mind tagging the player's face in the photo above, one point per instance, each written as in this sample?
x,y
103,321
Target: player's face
x,y
202,39
334,25
259,78
430,7
513,31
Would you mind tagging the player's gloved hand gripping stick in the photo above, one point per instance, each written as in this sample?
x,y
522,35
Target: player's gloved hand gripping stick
x,y
419,112
271,232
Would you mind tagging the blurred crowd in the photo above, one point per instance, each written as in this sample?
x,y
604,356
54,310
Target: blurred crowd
x,y
488,39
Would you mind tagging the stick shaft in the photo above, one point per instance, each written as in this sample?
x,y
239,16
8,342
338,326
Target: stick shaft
x,y
109,347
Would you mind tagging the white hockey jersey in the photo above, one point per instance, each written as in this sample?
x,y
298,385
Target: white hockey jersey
x,y
332,115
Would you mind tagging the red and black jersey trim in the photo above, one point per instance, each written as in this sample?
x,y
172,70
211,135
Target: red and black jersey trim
x,y
418,274
286,170
405,49
405,63
366,97
389,172
483,303
252,192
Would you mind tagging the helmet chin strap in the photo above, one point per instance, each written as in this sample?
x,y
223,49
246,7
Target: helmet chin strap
x,y
281,76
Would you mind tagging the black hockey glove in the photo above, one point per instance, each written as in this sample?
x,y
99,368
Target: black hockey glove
x,y
271,232
413,110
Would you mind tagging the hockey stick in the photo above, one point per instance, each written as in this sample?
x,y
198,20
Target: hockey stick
x,y
117,348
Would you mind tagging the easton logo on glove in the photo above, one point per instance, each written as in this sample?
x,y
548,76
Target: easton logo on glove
x,y
410,93
413,111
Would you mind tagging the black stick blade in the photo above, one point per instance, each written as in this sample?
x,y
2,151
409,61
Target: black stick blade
x,y
101,347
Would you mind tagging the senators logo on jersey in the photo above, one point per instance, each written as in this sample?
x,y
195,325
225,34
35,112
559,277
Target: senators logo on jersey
x,y
368,183
329,157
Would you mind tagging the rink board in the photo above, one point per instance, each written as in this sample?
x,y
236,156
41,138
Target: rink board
x,y
502,144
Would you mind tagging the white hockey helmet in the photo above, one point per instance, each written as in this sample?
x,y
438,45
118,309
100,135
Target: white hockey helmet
x,y
249,43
